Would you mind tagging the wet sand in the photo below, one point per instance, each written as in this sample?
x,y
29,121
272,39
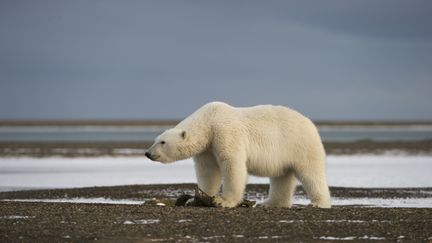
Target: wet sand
x,y
73,222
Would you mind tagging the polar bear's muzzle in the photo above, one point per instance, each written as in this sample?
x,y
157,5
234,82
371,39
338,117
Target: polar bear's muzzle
x,y
150,156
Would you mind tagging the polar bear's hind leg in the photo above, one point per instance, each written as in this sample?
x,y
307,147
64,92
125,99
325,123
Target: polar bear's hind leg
x,y
313,180
281,191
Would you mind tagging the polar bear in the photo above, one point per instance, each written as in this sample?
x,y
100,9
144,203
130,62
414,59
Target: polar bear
x,y
227,143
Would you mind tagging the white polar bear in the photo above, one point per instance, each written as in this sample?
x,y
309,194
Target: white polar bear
x,y
228,142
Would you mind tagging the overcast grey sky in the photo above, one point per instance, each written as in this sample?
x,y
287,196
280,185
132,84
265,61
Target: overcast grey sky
x,y
106,59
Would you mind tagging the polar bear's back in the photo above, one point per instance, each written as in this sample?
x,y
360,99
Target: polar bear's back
x,y
277,122
265,128
261,121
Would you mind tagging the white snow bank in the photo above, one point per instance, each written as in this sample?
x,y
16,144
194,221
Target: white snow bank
x,y
53,172
379,171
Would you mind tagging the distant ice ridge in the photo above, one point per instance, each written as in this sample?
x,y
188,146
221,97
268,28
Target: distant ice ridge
x,y
58,172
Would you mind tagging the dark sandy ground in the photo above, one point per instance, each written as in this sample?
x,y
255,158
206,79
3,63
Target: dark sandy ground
x,y
66,222
94,149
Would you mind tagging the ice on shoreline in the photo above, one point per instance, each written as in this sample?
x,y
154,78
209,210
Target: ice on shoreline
x,y
95,200
298,200
58,172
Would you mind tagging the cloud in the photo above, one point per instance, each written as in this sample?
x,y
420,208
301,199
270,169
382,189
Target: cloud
x,y
382,19
146,59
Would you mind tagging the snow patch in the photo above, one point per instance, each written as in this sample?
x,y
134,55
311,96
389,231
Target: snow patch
x,y
142,221
184,220
17,217
344,221
365,237
289,221
337,238
212,237
98,200
374,202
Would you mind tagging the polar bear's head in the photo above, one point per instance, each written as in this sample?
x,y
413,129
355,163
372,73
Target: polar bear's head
x,y
170,146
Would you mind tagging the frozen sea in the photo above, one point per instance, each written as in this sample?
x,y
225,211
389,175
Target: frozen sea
x,y
55,172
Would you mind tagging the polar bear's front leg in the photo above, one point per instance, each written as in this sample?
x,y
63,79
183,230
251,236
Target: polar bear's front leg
x,y
234,177
208,173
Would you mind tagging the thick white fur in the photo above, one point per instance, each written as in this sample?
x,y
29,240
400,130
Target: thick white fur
x,y
228,143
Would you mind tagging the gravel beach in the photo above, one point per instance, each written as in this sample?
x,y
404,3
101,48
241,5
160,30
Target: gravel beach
x,y
155,218
146,213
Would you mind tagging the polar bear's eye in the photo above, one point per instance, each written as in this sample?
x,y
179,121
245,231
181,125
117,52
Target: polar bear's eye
x,y
162,142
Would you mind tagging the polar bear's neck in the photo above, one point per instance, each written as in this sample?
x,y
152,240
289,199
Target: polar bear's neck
x,y
198,129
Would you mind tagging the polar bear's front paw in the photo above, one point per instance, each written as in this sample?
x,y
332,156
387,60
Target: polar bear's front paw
x,y
223,203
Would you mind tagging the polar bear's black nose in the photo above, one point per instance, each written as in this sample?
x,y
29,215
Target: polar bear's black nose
x,y
148,154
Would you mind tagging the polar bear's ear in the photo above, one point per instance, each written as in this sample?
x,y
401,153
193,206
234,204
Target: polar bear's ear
x,y
183,134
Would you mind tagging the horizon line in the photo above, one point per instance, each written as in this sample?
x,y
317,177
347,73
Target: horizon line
x,y
150,122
